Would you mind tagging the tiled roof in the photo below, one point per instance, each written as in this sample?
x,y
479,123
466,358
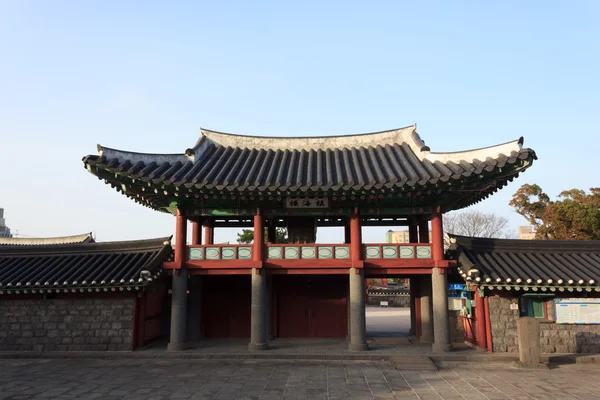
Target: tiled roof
x,y
384,161
547,264
81,266
83,238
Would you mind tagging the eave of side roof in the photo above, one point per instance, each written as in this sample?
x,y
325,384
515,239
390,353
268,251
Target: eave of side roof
x,y
87,267
529,265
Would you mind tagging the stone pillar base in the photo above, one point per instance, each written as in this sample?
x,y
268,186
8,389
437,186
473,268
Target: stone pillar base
x,y
177,346
258,346
423,340
412,332
358,347
441,348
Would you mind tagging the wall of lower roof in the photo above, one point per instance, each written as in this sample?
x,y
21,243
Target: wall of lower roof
x,y
554,338
66,324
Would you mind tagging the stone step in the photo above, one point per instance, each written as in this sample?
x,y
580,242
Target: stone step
x,y
412,363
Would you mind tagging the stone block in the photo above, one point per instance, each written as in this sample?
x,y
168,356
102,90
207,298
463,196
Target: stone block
x,y
528,331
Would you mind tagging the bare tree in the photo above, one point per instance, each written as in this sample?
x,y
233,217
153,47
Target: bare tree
x,y
477,224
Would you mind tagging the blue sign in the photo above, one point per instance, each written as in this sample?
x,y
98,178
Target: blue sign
x,y
456,286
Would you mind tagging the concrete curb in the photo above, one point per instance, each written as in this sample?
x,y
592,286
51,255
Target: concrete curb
x,y
266,355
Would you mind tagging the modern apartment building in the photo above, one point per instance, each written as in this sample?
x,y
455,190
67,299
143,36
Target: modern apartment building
x,y
4,230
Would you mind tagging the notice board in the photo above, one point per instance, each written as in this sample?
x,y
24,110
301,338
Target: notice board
x,y
577,311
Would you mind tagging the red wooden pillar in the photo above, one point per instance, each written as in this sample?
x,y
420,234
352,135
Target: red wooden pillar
x,y
480,320
423,230
355,236
488,325
196,233
209,232
259,236
180,237
437,235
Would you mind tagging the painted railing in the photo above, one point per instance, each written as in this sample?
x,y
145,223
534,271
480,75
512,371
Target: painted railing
x,y
220,252
396,251
308,251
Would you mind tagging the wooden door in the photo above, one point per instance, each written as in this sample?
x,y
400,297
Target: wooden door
x,y
328,310
293,307
311,306
226,306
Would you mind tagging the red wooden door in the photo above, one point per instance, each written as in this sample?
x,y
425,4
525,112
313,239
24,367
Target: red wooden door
x,y
328,310
293,307
226,306
311,306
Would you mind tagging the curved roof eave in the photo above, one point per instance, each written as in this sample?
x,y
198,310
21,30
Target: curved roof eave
x,y
50,241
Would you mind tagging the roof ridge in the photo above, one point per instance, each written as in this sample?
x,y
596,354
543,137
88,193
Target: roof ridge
x,y
91,247
521,244
48,241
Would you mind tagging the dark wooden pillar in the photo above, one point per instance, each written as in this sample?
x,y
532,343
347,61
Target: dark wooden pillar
x,y
412,230
196,233
347,233
272,232
209,233
423,230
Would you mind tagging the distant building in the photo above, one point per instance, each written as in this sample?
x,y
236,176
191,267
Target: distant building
x,y
526,233
399,237
4,230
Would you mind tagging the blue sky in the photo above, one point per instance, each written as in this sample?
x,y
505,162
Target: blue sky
x,y
145,76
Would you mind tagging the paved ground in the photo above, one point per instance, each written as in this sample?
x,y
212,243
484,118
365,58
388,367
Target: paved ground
x,y
182,379
392,321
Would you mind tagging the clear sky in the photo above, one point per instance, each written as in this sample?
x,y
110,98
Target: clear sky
x,y
145,76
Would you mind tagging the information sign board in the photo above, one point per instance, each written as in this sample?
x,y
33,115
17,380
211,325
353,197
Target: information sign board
x,y
577,311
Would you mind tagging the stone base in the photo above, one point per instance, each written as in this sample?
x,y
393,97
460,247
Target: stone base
x,y
524,365
177,346
258,346
445,348
358,347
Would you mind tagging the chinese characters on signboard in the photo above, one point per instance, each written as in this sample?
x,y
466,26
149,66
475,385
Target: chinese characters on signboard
x,y
307,202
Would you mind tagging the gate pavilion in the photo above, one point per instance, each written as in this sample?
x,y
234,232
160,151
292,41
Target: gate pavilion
x,y
303,289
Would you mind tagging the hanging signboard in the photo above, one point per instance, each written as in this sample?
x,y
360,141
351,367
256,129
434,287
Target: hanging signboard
x,y
454,304
306,202
577,311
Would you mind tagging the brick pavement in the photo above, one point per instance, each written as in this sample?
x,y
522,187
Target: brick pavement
x,y
264,380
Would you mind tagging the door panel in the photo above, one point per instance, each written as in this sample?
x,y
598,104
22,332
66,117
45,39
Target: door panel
x,y
328,306
293,306
311,306
226,306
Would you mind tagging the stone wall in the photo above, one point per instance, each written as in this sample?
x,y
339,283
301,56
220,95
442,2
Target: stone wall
x,y
63,324
554,338
393,300
457,330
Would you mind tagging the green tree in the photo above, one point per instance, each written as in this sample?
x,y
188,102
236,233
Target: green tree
x,y
247,236
574,216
